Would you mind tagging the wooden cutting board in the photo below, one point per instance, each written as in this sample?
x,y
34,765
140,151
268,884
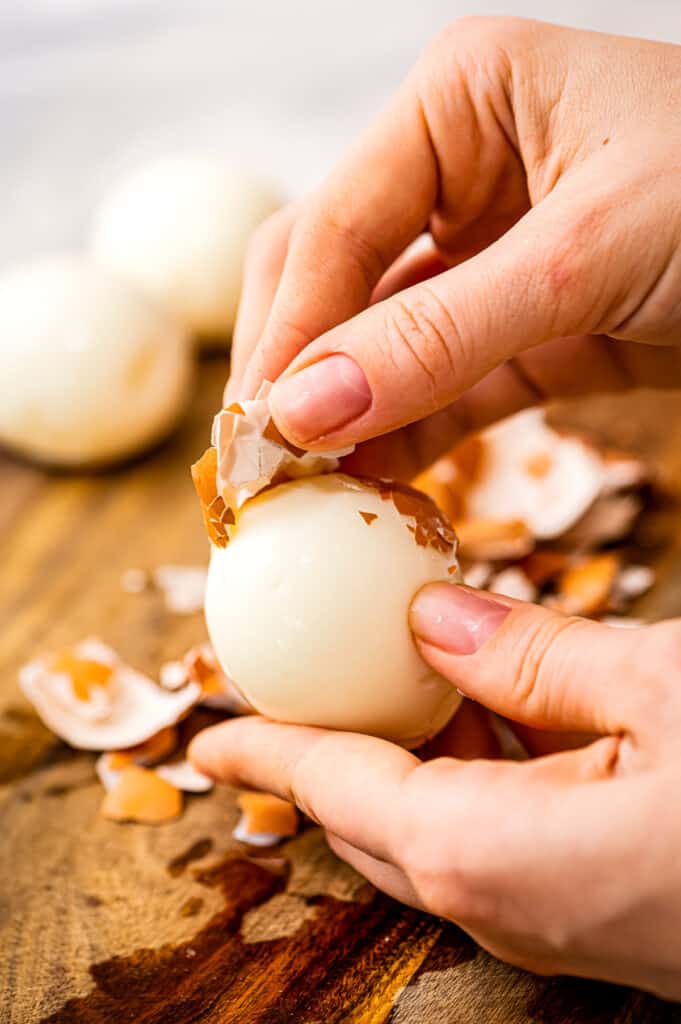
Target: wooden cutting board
x,y
111,923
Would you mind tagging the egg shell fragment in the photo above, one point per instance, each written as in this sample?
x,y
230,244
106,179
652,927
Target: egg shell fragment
x,y
137,707
142,795
536,475
585,587
265,819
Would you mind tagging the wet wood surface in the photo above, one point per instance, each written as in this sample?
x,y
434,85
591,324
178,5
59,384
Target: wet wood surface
x,y
103,923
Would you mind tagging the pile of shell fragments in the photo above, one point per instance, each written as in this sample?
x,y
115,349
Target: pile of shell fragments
x,y
544,515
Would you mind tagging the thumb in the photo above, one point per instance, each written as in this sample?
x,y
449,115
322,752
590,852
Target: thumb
x,y
403,359
530,664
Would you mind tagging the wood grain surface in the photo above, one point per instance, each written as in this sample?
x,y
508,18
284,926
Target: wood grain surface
x,y
103,923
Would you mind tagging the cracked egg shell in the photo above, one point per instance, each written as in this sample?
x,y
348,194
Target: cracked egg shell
x,y
532,473
179,227
91,370
307,609
130,707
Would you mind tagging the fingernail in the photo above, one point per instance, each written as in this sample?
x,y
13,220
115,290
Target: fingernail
x,y
321,398
454,619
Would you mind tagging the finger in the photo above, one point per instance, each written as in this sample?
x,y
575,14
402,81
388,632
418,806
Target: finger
x,y
413,267
530,664
414,354
386,877
348,783
551,371
376,202
484,842
262,271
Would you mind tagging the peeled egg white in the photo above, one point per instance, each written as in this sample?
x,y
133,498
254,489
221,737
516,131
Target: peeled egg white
x,y
180,227
307,609
91,370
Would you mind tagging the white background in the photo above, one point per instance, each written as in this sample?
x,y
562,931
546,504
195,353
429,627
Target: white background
x,y
91,87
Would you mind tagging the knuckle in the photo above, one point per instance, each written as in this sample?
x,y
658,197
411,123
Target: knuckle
x,y
323,222
535,654
656,694
478,36
420,333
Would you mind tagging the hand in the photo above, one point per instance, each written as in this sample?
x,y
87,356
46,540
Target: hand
x,y
565,864
546,165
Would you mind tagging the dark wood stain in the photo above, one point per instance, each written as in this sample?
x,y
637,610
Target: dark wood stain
x,y
25,744
334,962
196,851
563,1001
191,906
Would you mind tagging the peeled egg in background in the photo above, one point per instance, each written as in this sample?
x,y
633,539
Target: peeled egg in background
x,y
179,227
307,609
91,369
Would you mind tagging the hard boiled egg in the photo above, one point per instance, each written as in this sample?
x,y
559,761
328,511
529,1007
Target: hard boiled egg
x,y
179,227
307,606
91,369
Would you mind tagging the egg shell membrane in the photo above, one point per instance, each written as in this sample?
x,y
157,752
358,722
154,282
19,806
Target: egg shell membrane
x,y
143,796
179,773
248,454
183,775
252,453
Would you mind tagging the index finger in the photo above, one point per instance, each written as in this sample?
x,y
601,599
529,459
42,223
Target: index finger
x,y
349,783
375,203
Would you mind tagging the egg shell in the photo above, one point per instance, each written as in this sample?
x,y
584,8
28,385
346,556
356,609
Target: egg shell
x,y
307,609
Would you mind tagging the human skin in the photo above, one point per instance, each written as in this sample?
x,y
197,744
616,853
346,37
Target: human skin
x,y
546,165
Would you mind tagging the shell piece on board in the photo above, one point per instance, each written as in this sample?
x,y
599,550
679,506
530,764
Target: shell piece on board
x,y
94,701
